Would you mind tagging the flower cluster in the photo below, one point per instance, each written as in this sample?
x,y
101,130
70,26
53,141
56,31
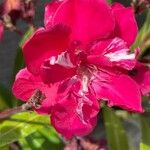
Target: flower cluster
x,y
81,57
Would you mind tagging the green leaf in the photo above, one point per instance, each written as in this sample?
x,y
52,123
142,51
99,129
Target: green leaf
x,y
19,61
9,134
110,1
50,133
35,141
116,136
6,147
5,97
23,124
26,36
144,31
24,144
42,138
145,129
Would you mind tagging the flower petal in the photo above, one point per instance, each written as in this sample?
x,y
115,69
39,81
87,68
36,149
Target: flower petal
x,y
126,26
118,54
89,20
57,68
50,10
26,84
118,90
112,52
74,113
141,74
44,44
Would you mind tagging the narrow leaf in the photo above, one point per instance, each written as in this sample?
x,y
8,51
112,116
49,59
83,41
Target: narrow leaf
x,y
116,136
42,138
145,129
19,61
5,97
26,36
143,34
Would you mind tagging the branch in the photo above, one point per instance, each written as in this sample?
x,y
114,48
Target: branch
x,y
33,103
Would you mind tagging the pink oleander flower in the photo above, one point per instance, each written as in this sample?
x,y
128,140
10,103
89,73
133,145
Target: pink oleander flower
x,y
80,57
1,30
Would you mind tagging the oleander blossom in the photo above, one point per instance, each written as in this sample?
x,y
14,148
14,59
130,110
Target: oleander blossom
x,y
80,57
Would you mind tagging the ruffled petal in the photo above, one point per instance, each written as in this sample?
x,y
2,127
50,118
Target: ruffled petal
x,y
75,112
26,84
1,30
126,26
118,90
113,52
57,68
141,74
89,20
44,44
50,10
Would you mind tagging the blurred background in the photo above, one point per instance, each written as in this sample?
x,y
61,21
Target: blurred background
x,y
10,43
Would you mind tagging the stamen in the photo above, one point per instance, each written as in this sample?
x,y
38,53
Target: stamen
x,y
85,84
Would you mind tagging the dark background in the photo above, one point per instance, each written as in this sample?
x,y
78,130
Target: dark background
x,y
10,41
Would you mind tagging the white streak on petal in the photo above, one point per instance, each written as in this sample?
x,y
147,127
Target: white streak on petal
x,y
118,56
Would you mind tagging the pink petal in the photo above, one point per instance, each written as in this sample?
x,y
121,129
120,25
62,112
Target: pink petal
x,y
89,20
1,30
26,84
113,52
126,26
118,53
50,10
74,114
118,90
141,74
44,44
57,68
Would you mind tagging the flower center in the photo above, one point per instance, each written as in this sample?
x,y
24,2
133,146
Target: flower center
x,y
85,73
